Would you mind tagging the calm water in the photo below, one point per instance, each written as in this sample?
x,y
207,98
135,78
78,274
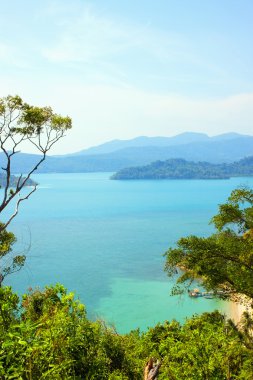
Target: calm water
x,y
104,240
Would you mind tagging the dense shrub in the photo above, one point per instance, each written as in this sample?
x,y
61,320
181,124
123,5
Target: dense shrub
x,y
48,336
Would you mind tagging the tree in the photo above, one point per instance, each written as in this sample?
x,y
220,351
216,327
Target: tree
x,y
21,123
222,262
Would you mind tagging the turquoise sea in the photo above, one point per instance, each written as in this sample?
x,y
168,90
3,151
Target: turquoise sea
x,y
105,239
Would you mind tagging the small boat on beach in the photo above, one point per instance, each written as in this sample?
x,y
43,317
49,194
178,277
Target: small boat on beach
x,y
195,293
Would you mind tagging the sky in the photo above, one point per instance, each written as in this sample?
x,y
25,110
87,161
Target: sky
x,y
128,68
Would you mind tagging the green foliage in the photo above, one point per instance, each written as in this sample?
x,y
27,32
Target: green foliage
x,y
30,119
224,260
34,119
9,263
7,239
50,337
8,308
237,212
205,347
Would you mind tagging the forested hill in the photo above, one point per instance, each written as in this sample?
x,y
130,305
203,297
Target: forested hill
x,y
182,169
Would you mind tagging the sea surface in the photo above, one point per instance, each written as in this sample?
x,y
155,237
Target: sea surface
x,y
105,241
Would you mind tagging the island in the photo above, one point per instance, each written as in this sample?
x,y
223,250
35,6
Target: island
x,y
14,181
178,168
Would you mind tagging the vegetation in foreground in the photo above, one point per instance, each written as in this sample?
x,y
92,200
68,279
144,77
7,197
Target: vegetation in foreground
x,y
49,336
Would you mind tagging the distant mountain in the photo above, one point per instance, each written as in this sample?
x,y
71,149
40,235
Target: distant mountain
x,y
22,162
228,136
224,148
182,169
144,141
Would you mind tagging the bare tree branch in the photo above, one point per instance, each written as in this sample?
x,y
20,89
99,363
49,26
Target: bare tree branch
x,y
21,199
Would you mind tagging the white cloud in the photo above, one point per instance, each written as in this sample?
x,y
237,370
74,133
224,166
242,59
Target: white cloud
x,y
89,36
86,40
99,46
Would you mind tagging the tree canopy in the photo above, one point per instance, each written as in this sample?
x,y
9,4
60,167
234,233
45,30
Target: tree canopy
x,y
222,262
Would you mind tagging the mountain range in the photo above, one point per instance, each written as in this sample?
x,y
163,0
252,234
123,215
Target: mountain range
x,y
144,141
118,154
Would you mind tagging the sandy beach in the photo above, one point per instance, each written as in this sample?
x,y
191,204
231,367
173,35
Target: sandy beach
x,y
237,309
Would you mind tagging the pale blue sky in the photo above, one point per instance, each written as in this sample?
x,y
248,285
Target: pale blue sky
x,y
126,68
